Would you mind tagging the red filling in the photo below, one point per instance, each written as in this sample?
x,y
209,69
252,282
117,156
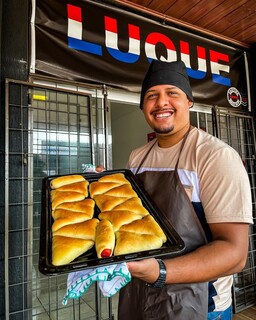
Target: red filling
x,y
106,253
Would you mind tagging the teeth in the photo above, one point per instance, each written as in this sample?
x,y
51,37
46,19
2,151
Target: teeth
x,y
163,115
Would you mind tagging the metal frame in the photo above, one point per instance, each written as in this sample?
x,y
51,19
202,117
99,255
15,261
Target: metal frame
x,y
244,288
30,281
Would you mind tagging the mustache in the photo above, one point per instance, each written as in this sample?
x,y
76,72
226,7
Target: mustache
x,y
156,110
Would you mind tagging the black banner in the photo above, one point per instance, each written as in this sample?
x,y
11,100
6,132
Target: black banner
x,y
88,41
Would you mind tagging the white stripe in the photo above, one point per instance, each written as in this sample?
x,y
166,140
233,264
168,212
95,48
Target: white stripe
x,y
217,67
150,50
112,41
74,29
223,298
201,62
190,178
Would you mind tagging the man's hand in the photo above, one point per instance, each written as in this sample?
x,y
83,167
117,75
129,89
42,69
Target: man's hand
x,y
100,168
146,270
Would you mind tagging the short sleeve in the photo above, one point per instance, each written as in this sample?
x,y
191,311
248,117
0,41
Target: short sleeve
x,y
225,188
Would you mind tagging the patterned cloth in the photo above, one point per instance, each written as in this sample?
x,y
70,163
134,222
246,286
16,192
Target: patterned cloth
x,y
110,280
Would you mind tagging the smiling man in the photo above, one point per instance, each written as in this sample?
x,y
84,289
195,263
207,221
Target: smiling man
x,y
201,185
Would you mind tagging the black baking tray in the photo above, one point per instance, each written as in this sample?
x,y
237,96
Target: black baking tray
x,y
173,246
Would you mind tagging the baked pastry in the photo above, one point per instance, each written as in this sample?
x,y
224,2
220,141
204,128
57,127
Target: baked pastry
x,y
104,239
111,190
123,226
58,197
133,204
67,217
66,249
79,206
65,180
146,225
81,230
81,187
84,206
130,242
68,189
135,229
118,218
73,229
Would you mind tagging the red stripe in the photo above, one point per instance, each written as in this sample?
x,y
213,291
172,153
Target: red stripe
x,y
134,32
74,13
156,37
110,24
184,48
216,56
201,53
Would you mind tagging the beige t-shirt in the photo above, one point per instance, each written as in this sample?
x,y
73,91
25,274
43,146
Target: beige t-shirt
x,y
210,170
214,178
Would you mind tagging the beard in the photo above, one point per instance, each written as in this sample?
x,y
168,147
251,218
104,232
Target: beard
x,y
161,130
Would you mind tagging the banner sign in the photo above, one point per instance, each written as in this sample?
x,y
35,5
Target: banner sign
x,y
88,41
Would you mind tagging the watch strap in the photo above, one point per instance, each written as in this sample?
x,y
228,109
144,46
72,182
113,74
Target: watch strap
x,y
160,282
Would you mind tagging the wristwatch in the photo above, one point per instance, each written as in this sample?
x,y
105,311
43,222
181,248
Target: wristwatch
x,y
160,282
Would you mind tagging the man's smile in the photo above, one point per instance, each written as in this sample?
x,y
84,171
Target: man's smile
x,y
162,114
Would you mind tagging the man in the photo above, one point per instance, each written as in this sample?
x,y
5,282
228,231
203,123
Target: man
x,y
201,185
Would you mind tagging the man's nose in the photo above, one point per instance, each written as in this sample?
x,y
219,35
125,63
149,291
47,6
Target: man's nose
x,y
162,100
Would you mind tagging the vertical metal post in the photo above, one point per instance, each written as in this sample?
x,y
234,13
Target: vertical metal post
x,y
29,164
6,238
106,126
97,302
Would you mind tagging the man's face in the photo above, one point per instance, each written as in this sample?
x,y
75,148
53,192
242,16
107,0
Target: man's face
x,y
166,109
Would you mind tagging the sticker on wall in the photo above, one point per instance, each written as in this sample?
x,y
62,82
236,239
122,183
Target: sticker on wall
x,y
235,98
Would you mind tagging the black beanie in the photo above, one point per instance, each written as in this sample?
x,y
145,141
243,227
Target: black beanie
x,y
161,72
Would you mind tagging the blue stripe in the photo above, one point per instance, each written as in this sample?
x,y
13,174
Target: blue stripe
x,y
221,80
196,74
212,293
201,216
123,56
84,46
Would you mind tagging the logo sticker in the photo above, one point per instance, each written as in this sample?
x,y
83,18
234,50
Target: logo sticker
x,y
234,97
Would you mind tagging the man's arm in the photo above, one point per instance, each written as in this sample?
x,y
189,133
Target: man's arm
x,y
225,255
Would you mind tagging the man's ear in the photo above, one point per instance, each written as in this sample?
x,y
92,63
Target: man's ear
x,y
190,103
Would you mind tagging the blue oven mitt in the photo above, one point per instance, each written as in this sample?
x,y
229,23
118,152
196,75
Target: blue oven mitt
x,y
110,280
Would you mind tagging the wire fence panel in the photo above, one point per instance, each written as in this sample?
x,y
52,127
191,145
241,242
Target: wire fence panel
x,y
237,129
49,131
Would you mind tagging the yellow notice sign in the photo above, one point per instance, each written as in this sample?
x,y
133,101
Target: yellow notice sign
x,y
39,97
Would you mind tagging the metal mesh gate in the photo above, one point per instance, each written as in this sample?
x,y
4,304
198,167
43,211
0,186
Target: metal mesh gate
x,y
237,130
48,131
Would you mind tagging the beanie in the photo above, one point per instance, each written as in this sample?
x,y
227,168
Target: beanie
x,y
161,72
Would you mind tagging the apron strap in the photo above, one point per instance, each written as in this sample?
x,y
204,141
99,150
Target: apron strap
x,y
144,158
182,145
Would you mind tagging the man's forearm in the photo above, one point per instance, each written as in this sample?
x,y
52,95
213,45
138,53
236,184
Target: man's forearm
x,y
214,260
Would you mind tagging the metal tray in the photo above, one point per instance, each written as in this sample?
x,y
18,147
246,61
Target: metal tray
x,y
173,246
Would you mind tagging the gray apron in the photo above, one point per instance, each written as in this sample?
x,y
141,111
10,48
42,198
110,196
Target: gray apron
x,y
137,301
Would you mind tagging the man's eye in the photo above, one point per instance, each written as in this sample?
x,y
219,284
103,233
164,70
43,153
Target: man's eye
x,y
171,93
151,96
